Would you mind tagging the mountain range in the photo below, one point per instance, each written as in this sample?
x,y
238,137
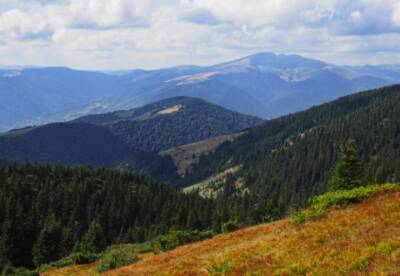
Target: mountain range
x,y
264,85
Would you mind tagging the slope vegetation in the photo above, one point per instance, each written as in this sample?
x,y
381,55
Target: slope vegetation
x,y
289,159
171,123
358,240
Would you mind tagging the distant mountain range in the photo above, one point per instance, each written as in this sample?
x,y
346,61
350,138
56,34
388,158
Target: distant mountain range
x,y
135,135
264,85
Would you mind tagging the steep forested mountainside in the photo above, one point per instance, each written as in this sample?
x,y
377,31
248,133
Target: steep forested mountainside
x,y
171,123
287,160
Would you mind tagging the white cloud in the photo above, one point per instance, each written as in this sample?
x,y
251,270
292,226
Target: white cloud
x,y
111,34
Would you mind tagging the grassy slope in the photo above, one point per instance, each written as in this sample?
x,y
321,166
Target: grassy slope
x,y
358,240
361,238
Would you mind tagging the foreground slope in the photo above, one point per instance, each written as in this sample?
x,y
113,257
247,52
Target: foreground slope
x,y
362,238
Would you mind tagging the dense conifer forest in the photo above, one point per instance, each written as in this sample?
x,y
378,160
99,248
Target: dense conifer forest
x,y
45,212
289,159
171,123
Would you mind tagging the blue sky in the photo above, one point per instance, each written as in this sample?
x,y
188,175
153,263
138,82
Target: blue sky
x,y
126,34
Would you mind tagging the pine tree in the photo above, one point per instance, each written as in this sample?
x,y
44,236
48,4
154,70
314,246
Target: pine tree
x,y
348,171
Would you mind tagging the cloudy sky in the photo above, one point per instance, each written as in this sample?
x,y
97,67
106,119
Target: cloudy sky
x,y
126,34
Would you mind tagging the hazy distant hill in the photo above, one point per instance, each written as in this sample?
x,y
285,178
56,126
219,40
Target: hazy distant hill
x,y
265,85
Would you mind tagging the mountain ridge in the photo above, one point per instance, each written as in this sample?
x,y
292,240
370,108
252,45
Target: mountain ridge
x,y
264,84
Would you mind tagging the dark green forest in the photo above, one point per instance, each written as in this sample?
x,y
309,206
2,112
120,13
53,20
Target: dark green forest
x,y
46,212
289,159
131,136
146,129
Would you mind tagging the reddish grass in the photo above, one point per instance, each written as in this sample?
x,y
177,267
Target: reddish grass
x,y
362,239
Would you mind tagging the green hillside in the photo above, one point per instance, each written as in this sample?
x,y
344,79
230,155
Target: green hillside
x,y
66,143
289,159
171,123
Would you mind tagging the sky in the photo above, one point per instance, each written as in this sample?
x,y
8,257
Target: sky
x,y
128,34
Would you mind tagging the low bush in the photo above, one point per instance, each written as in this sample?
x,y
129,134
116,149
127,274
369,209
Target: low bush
x,y
320,204
10,270
72,259
175,238
230,226
116,256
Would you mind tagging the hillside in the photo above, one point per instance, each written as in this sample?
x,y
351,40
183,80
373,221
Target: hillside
x,y
127,139
263,84
45,212
64,143
287,160
358,239
171,123
187,155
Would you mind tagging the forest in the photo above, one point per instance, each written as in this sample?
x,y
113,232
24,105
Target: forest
x,y
46,211
289,159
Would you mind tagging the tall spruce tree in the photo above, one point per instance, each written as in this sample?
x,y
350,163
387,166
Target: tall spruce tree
x,y
348,171
93,241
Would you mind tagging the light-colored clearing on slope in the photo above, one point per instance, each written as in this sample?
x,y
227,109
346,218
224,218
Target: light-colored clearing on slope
x,y
170,110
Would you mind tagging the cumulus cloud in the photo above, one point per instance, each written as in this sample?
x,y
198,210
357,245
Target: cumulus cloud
x,y
114,34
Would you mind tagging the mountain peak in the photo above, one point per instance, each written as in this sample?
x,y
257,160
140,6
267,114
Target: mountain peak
x,y
283,61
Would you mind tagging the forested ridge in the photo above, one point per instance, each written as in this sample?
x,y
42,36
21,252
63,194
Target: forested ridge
x,y
287,160
46,211
131,137
171,123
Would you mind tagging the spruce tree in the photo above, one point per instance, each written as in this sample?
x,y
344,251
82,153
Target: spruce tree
x,y
93,241
348,171
45,248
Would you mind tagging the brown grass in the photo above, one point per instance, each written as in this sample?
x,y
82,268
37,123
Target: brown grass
x,y
362,239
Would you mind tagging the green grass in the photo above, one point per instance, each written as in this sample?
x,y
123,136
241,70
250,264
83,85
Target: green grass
x,y
320,204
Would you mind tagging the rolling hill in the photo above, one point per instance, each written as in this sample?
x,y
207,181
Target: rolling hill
x,y
172,122
264,85
133,136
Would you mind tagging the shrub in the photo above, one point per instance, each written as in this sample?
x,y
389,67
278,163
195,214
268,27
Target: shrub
x,y
116,256
230,226
10,270
175,238
320,204
72,259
